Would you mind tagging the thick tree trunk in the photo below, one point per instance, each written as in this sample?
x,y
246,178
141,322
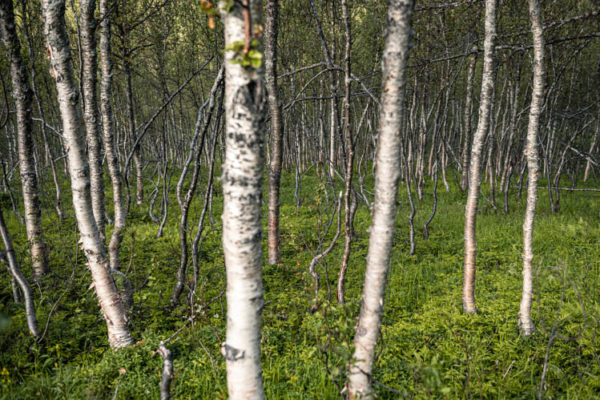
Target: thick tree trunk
x,y
487,87
22,95
271,31
245,99
90,111
112,162
537,97
387,174
61,68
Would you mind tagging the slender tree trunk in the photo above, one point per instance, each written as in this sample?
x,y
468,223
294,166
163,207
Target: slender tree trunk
x,y
196,149
48,152
271,31
588,165
487,87
387,174
165,186
62,69
112,162
464,181
434,207
349,198
333,122
22,95
413,211
90,111
245,99
131,126
15,271
537,98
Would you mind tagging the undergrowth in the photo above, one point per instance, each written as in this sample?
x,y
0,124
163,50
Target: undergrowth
x,y
428,347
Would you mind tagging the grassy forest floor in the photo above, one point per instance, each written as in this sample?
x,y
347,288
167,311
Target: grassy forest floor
x,y
428,349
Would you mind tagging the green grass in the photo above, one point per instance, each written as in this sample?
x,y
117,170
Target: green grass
x,y
428,348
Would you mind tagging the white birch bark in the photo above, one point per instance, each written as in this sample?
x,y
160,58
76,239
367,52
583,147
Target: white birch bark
x,y
531,151
15,271
68,99
90,112
271,32
22,96
387,174
245,100
109,140
487,87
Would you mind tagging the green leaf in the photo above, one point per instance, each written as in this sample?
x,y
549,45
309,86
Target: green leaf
x,y
227,5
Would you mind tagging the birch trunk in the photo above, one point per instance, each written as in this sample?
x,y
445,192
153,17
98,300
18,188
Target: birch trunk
x,y
62,69
109,140
387,174
15,271
531,151
464,181
487,87
588,165
242,196
90,111
271,31
349,200
22,96
48,152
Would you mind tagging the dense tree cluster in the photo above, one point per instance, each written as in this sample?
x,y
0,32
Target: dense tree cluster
x,y
135,103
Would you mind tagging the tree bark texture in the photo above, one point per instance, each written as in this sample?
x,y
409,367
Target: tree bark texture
x,y
112,162
464,180
17,275
22,96
245,99
271,31
90,111
349,200
387,174
61,67
487,87
531,151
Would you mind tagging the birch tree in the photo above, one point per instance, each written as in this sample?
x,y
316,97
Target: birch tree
x,y
17,275
487,87
531,151
90,111
271,31
349,200
242,196
114,170
387,175
464,179
61,69
22,96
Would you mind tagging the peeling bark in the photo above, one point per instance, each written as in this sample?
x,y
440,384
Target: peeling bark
x,y
68,98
